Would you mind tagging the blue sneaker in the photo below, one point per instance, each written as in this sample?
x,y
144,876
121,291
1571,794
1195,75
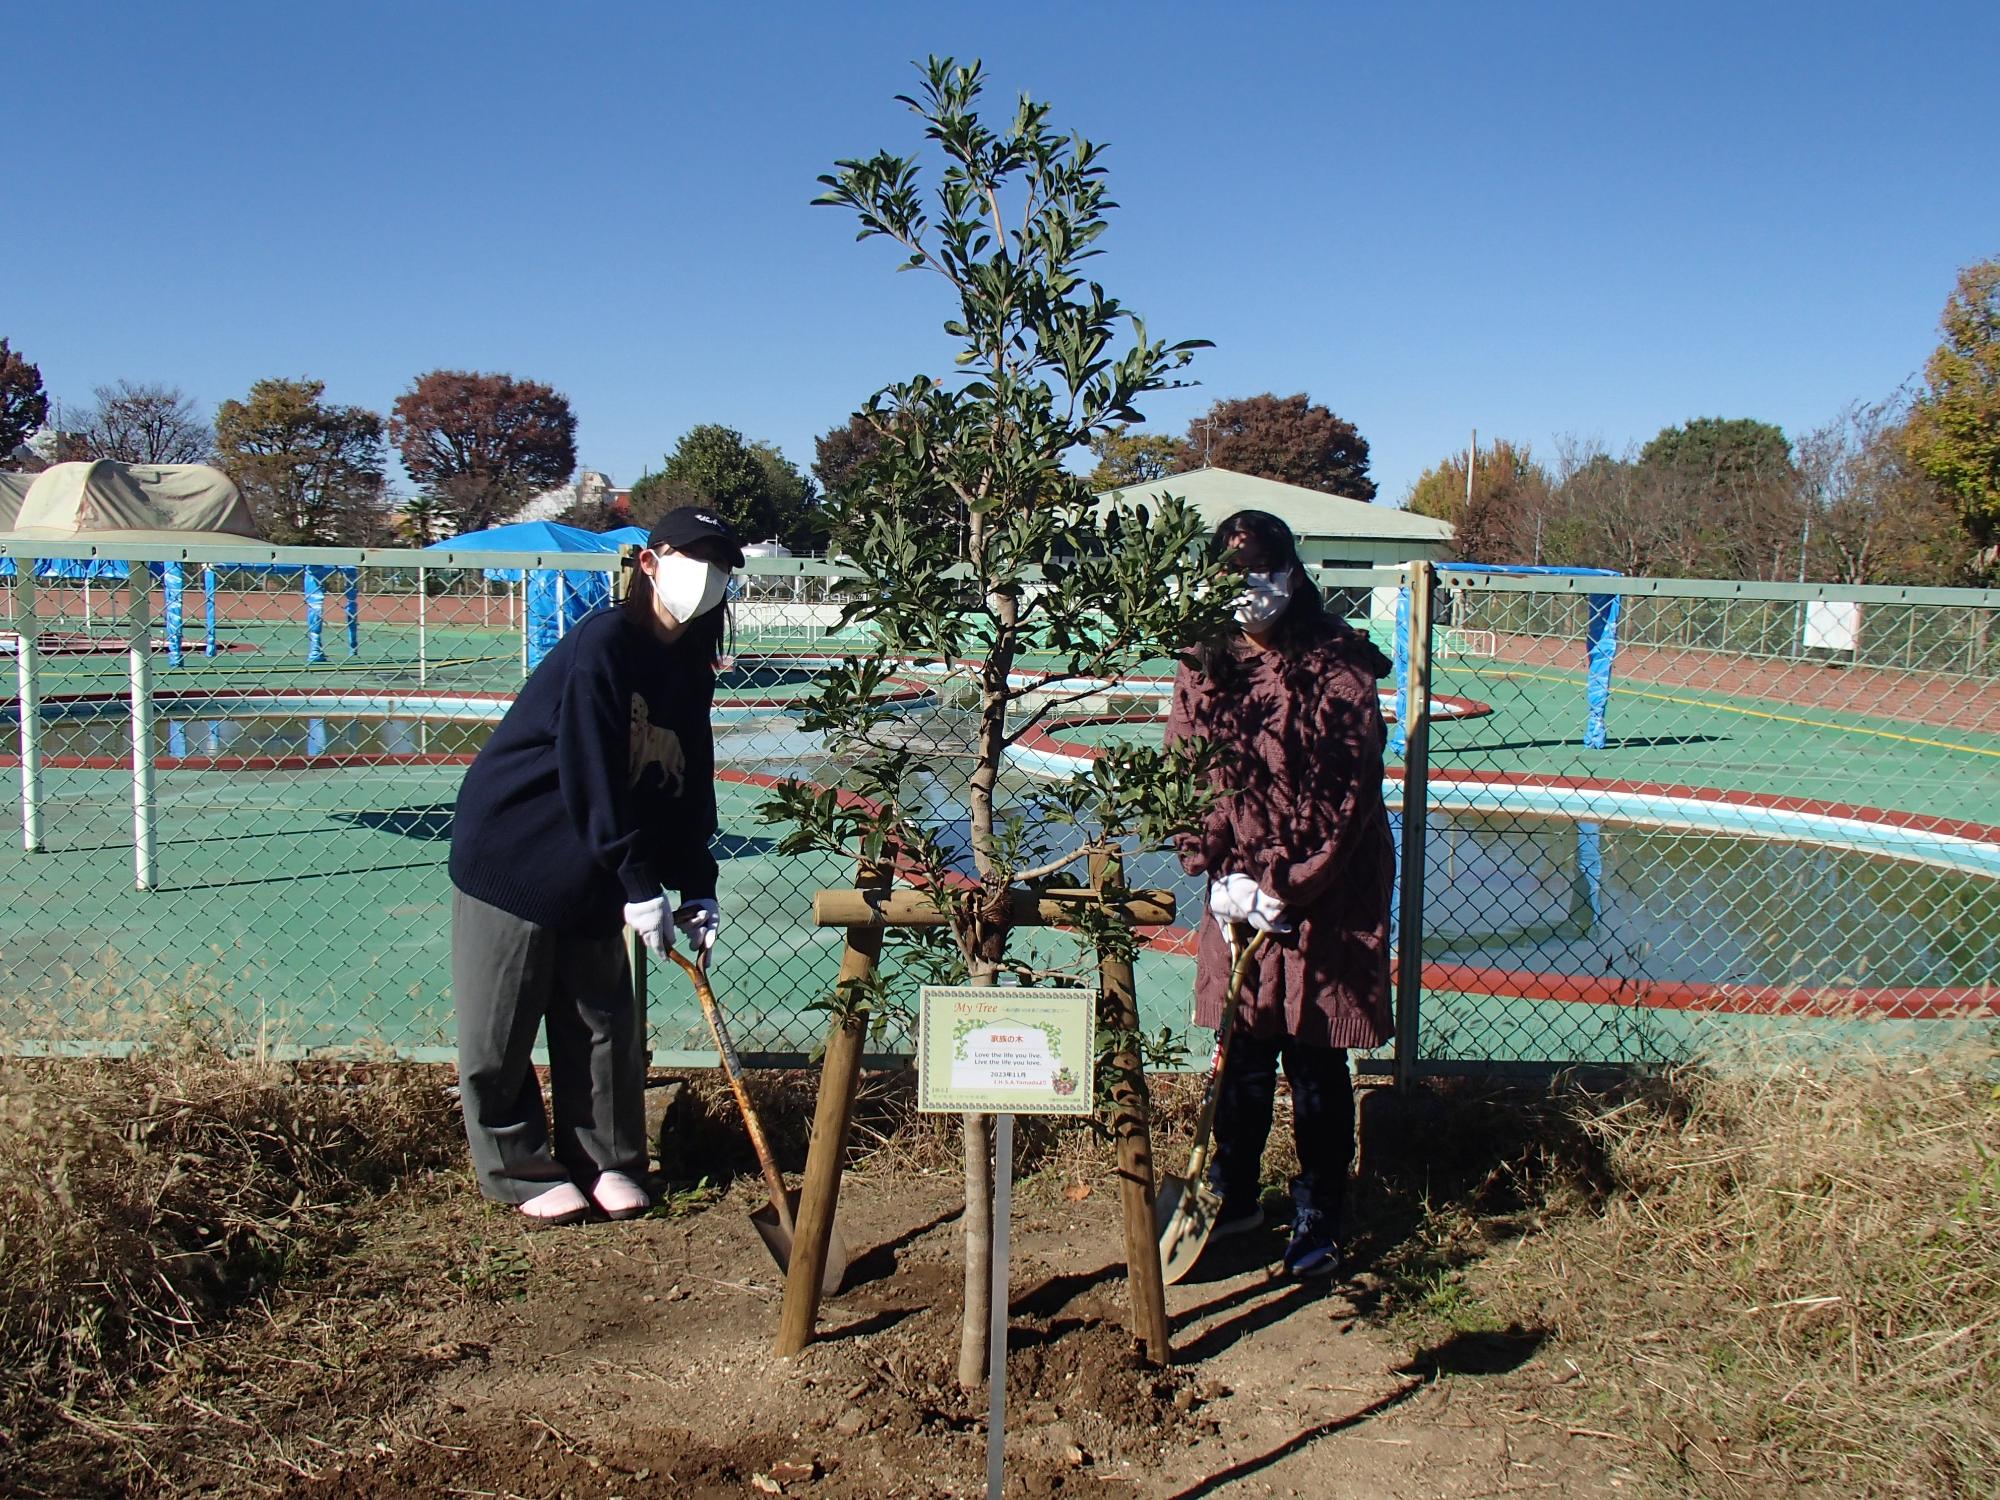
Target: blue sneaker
x,y
1312,1261
1314,1251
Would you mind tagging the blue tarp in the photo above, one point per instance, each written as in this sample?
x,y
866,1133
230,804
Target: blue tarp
x,y
1600,646
313,585
556,598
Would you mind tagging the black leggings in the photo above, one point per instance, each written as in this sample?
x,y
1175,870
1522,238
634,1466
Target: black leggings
x,y
1322,1121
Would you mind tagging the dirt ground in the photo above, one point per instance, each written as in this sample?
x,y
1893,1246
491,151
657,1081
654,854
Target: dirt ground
x,y
438,1346
634,1359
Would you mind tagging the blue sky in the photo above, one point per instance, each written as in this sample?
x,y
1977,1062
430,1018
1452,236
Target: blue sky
x,y
1532,219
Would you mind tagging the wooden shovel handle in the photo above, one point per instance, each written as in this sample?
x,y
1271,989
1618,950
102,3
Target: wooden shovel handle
x,y
732,1069
1239,970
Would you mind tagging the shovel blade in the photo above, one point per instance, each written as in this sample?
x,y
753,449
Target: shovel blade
x,y
770,1227
1185,1213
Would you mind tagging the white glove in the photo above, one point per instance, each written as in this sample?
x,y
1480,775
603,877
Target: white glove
x,y
653,922
1226,898
702,920
1238,898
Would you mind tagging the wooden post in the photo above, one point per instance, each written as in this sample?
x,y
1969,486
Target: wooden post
x,y
819,1195
867,913
1131,1128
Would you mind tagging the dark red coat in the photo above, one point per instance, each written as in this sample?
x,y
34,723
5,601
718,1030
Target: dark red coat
x,y
1303,815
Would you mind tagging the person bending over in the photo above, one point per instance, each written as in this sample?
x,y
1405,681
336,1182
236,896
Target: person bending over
x,y
593,799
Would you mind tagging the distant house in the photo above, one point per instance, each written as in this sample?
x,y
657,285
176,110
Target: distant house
x,y
588,488
1332,529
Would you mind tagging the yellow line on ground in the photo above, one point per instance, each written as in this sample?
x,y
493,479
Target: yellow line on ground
x,y
1758,713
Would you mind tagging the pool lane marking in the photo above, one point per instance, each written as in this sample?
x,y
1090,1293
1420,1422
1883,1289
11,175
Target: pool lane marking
x,y
1758,713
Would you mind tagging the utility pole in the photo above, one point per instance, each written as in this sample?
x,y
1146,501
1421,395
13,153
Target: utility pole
x,y
1471,458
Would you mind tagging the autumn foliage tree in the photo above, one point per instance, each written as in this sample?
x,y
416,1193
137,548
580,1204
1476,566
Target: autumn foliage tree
x,y
483,444
1126,456
311,470
24,406
1507,514
1287,438
841,456
1954,426
1877,517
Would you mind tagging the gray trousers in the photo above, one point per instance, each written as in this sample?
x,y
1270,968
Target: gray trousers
x,y
508,977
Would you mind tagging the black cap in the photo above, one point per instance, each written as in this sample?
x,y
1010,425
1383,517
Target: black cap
x,y
685,525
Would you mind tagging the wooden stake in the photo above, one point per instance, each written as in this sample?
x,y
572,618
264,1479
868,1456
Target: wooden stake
x,y
1131,1128
1050,908
819,1195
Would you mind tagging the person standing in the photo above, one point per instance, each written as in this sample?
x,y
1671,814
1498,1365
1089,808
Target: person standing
x,y
1297,846
593,799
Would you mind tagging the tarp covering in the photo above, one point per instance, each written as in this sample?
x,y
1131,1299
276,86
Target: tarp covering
x,y
13,489
136,502
556,598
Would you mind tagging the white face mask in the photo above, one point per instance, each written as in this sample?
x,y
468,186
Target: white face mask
x,y
1264,598
686,587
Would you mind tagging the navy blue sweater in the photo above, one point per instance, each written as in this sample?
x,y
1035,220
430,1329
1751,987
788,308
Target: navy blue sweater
x,y
598,787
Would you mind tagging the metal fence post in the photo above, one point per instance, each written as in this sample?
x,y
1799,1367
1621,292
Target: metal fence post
x,y
27,661
139,616
423,628
1416,794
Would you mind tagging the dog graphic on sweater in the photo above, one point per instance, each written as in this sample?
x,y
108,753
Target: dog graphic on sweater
x,y
652,745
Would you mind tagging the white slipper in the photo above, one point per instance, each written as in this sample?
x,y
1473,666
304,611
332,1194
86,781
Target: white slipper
x,y
619,1196
561,1204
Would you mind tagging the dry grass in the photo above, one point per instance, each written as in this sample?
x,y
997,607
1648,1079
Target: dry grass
x,y
1792,1283
143,1200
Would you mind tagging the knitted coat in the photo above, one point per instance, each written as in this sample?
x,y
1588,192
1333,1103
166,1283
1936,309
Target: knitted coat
x,y
1302,814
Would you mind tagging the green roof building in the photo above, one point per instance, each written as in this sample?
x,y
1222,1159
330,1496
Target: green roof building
x,y
1332,529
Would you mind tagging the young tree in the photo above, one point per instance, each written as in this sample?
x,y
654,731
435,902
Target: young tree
x,y
24,406
483,444
1043,368
1127,457
311,470
1954,427
144,424
1287,438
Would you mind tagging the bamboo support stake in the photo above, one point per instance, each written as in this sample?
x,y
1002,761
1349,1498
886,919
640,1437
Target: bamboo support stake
x,y
1131,1128
840,1074
1416,796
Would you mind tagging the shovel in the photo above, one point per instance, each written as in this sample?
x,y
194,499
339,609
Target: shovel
x,y
1187,1207
776,1221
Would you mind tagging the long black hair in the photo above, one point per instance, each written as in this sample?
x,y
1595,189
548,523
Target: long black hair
x,y
1266,545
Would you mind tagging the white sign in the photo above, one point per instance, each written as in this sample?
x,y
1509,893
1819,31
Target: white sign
x,y
1002,1057
1831,625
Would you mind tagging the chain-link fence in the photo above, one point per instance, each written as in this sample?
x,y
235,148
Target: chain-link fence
x,y
1641,802
1695,799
